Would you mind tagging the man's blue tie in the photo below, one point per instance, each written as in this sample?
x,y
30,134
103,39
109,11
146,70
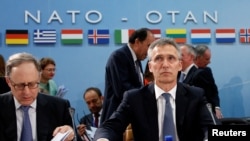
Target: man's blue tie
x,y
168,124
182,76
26,134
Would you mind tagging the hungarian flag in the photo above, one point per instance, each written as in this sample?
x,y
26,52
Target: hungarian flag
x,y
178,34
200,35
225,35
44,36
156,32
98,36
17,37
71,36
244,35
122,35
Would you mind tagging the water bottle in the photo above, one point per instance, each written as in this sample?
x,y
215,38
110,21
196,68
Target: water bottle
x,y
168,138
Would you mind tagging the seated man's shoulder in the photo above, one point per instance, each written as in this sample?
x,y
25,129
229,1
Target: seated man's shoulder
x,y
86,118
192,89
51,98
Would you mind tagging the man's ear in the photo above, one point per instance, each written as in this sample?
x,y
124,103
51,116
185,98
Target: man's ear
x,y
7,79
180,65
149,66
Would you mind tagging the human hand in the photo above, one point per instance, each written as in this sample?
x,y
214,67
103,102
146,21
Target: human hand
x,y
81,129
218,113
63,129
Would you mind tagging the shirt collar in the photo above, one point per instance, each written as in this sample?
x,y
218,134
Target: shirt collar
x,y
132,52
18,105
159,91
188,68
100,113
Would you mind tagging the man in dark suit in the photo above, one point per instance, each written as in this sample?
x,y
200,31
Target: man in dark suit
x,y
47,115
204,78
200,77
144,108
122,71
94,99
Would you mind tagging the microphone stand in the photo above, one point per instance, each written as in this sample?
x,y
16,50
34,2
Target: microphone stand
x,y
72,112
209,107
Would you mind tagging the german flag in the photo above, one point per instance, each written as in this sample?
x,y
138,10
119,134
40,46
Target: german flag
x,y
17,37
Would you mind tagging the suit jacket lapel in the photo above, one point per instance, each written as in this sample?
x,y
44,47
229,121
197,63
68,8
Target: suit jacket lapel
x,y
190,74
10,118
132,64
90,120
181,102
42,117
152,111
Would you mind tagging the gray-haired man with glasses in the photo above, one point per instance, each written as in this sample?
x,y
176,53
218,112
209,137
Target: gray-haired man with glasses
x,y
26,114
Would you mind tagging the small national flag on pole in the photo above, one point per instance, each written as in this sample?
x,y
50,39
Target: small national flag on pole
x,y
71,36
122,35
245,35
17,37
179,35
44,36
98,36
200,35
156,32
225,35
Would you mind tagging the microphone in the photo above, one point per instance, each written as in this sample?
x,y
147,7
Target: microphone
x,y
209,107
72,112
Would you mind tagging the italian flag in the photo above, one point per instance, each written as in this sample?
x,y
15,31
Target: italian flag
x,y
122,35
71,36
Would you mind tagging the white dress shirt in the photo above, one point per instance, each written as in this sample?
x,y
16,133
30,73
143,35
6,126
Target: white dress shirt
x,y
19,117
161,108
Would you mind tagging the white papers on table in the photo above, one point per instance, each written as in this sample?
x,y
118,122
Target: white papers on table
x,y
61,136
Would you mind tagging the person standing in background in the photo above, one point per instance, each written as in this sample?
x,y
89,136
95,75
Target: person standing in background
x,y
203,57
3,84
124,70
94,99
48,68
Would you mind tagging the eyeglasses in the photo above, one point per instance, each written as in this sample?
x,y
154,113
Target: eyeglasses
x,y
21,86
